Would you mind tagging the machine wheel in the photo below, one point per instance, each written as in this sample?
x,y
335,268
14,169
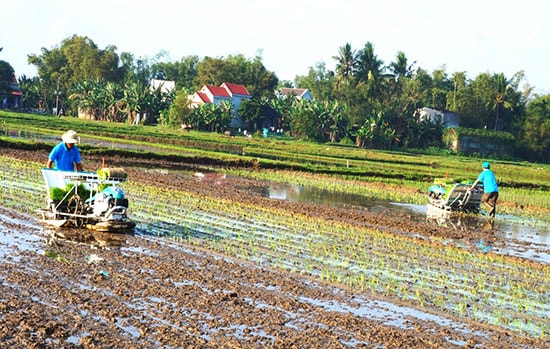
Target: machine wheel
x,y
75,206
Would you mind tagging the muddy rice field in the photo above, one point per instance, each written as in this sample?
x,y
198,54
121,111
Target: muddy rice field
x,y
215,262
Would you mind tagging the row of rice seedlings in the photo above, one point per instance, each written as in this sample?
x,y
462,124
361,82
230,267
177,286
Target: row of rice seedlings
x,y
329,263
20,185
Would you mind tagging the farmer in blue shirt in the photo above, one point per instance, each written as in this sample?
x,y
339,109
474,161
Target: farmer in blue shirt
x,y
490,188
65,156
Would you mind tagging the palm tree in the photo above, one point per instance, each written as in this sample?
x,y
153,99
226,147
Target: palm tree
x,y
401,68
501,98
346,63
370,71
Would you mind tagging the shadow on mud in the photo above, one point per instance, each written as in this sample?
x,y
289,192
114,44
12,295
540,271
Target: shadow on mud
x,y
94,239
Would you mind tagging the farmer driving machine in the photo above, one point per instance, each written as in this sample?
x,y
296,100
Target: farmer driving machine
x,y
92,200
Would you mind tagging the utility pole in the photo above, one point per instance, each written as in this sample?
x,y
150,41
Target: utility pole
x,y
57,93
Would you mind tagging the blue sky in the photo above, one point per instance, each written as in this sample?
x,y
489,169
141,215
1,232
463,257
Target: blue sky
x,y
291,35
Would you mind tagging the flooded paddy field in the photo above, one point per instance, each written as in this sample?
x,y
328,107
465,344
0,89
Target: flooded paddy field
x,y
216,262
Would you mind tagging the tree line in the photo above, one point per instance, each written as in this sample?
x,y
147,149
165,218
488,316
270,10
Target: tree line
x,y
363,101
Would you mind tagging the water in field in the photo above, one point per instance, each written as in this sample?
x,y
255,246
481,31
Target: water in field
x,y
528,238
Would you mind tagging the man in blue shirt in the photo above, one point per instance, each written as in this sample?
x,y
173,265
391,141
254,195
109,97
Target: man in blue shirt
x,y
490,188
65,156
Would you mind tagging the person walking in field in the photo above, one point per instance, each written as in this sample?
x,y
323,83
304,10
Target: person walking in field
x,y
490,188
65,156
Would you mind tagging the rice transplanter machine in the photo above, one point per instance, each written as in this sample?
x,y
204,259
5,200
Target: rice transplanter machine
x,y
92,200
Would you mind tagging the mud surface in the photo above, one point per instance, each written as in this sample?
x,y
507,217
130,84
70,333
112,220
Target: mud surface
x,y
141,291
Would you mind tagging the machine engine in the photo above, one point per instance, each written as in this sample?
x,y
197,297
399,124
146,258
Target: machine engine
x,y
108,199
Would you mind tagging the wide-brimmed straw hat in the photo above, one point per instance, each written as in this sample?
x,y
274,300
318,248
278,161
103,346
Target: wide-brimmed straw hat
x,y
70,137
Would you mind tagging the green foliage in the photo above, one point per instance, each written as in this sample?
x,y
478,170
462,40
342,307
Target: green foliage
x,y
319,82
319,121
488,135
535,126
251,111
184,72
179,111
211,117
6,75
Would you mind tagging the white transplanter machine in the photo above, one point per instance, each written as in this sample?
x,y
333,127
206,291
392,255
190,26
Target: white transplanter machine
x,y
450,196
92,200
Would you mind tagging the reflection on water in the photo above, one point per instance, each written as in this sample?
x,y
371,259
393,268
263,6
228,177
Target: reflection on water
x,y
95,239
526,238
458,221
300,193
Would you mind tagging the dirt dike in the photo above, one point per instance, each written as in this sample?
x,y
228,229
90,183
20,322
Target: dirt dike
x,y
142,292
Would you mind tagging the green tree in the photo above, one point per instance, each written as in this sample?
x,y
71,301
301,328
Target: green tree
x,y
319,82
184,72
535,130
286,107
370,73
30,87
456,99
251,111
179,111
75,60
375,132
320,121
84,96
211,117
401,69
441,86
346,64
6,76
502,96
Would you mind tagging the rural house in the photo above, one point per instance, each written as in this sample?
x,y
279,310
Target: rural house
x,y
165,86
226,92
447,118
300,93
13,100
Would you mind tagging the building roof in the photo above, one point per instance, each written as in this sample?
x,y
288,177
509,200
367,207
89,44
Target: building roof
x,y
235,89
217,91
14,86
203,97
289,91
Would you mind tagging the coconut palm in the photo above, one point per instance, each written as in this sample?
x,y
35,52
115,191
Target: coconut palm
x,y
501,97
370,71
346,63
401,67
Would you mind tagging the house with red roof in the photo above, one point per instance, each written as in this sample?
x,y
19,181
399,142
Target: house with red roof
x,y
14,98
226,92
